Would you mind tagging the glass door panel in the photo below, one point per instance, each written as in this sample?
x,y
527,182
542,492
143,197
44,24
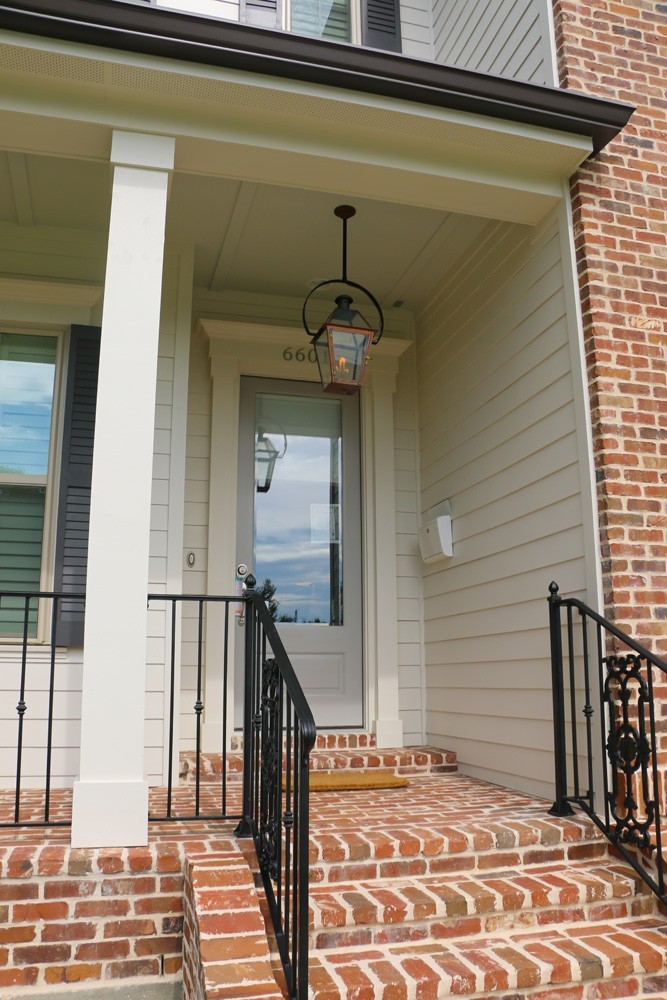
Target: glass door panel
x,y
299,532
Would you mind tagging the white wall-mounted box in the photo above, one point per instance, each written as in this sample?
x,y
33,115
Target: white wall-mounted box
x,y
435,539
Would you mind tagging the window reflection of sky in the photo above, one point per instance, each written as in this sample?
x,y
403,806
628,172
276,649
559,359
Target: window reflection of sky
x,y
26,393
289,547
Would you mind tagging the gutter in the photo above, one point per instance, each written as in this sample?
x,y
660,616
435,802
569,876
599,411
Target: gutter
x,y
134,26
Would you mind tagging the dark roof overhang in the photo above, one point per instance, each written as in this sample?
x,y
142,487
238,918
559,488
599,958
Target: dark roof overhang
x,y
141,28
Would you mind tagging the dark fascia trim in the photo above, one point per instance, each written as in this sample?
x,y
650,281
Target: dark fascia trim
x,y
132,26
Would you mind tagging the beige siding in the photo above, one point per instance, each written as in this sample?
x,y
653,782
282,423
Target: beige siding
x,y
499,441
196,522
416,29
66,716
409,567
503,37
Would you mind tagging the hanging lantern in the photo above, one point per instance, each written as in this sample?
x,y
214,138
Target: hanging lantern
x,y
343,341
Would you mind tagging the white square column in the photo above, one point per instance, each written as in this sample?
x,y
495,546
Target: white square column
x,y
110,805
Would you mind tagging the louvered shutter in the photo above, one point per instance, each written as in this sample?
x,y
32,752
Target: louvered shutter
x,y
381,24
75,479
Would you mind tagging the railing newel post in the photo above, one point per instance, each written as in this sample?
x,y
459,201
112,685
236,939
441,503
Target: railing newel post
x,y
561,806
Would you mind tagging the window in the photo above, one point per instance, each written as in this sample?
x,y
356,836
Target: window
x,y
27,392
322,19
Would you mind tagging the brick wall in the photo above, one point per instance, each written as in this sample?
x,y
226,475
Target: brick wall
x,y
619,51
69,915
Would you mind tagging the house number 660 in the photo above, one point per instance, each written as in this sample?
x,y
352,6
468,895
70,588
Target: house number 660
x,y
290,354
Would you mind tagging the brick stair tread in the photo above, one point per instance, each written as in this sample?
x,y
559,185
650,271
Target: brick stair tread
x,y
405,761
394,848
394,904
341,739
472,967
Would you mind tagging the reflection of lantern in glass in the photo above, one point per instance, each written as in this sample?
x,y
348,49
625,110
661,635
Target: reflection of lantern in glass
x,y
265,462
343,342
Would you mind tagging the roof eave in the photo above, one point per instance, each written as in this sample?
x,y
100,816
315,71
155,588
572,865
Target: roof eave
x,y
138,27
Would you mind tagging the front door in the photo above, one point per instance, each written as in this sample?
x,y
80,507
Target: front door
x,y
299,532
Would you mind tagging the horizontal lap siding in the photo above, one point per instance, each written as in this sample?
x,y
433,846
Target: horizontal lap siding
x,y
504,37
409,565
195,537
158,650
416,33
499,440
66,716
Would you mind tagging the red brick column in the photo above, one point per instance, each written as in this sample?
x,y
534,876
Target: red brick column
x,y
619,51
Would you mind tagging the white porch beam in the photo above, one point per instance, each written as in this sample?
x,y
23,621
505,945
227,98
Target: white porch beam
x,y
110,805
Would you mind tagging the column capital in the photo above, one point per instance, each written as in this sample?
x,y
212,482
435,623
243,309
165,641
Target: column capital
x,y
139,149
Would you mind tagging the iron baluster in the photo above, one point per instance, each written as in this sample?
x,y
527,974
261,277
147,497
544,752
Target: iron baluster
x,y
225,674
561,806
656,785
199,705
21,708
588,710
49,718
573,702
604,722
172,695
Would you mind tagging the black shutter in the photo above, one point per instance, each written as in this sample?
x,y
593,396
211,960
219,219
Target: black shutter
x,y
381,24
75,479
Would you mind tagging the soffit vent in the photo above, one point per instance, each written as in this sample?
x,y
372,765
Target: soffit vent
x,y
275,102
17,59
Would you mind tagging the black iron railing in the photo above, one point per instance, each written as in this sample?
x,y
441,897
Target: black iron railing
x,y
271,800
203,796
606,740
279,733
32,674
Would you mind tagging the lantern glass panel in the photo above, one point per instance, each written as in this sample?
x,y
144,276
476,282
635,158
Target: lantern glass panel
x,y
349,349
321,345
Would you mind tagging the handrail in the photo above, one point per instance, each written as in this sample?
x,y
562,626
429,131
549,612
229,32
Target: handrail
x,y
278,735
620,736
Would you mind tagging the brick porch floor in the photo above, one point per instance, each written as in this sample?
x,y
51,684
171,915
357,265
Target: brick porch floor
x,y
450,886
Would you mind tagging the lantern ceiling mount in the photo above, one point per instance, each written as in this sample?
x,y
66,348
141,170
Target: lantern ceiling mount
x,y
343,341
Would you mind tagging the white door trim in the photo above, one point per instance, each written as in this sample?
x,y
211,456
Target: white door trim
x,y
238,349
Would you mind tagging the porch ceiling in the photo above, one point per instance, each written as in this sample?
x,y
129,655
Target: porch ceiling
x,y
249,237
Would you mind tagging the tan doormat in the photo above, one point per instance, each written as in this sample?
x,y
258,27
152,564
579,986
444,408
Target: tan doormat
x,y
342,781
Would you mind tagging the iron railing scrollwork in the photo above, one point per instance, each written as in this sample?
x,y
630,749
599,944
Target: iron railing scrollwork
x,y
278,735
605,733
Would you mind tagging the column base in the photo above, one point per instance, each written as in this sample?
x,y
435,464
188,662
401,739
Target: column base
x,y
110,814
388,732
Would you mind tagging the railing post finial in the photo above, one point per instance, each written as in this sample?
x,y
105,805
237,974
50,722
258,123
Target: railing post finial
x,y
553,591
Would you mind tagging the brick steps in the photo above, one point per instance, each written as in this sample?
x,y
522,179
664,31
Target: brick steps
x,y
454,887
565,959
407,761
406,845
386,911
338,739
